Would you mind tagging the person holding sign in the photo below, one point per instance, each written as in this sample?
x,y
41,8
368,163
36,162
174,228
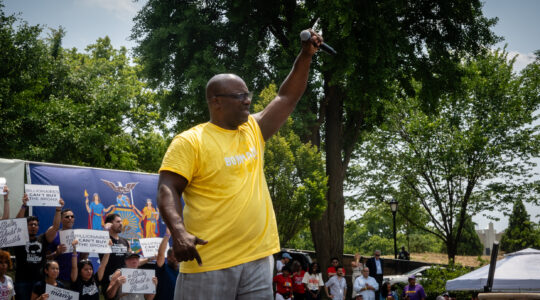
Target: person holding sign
x,y
67,218
7,289
117,280
31,257
50,272
83,279
120,246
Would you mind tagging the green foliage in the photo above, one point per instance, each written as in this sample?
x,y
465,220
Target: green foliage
x,y
469,242
301,241
373,230
471,155
63,106
295,176
434,280
520,233
381,44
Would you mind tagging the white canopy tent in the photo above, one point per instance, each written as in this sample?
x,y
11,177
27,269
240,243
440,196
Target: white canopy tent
x,y
516,272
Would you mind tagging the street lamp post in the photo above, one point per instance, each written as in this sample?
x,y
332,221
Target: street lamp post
x,y
393,207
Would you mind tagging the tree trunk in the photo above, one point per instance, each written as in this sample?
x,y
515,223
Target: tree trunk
x,y
451,246
327,233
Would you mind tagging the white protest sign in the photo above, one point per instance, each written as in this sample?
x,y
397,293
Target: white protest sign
x,y
56,293
66,238
92,241
150,246
2,184
13,232
42,195
138,281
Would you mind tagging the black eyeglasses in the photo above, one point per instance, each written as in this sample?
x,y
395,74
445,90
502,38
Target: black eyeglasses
x,y
69,217
237,96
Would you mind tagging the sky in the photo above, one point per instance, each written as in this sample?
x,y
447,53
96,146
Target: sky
x,y
87,20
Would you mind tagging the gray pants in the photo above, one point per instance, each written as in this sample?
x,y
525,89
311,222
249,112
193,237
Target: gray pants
x,y
252,280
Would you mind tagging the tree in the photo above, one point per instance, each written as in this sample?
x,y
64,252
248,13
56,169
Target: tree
x,y
520,233
471,155
295,176
63,106
469,243
183,43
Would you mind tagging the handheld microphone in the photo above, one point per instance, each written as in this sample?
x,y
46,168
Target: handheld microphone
x,y
306,35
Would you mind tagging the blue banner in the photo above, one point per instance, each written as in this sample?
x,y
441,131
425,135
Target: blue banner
x,y
93,193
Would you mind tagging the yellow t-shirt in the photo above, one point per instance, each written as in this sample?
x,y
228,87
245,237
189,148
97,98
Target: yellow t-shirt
x,y
226,200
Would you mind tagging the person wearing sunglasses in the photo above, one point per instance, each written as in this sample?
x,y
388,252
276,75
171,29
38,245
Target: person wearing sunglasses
x,y
226,233
58,251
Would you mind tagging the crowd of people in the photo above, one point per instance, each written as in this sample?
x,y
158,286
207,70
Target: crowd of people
x,y
45,260
291,282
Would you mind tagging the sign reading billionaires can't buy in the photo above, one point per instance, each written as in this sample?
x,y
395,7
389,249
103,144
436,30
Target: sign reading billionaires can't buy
x,y
42,195
89,241
13,232
92,241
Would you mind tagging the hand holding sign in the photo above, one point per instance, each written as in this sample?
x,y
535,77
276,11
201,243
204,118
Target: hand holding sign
x,y
5,191
2,185
42,195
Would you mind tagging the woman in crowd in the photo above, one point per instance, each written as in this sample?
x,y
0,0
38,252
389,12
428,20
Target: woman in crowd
x,y
7,289
299,291
313,281
83,279
388,292
357,265
50,273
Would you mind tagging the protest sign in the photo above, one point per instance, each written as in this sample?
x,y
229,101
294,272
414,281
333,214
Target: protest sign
x,y
150,246
42,195
2,184
92,241
66,238
138,281
13,232
56,293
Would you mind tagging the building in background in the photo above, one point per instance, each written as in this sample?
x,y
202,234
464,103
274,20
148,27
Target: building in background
x,y
488,236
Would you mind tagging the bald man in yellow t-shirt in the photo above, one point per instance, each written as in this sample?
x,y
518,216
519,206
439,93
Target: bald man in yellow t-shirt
x,y
226,233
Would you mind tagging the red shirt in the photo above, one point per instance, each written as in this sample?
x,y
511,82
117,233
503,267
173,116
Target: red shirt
x,y
298,286
284,284
333,270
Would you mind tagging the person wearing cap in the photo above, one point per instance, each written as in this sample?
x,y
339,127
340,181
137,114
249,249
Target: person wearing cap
x,y
285,259
366,286
413,291
117,280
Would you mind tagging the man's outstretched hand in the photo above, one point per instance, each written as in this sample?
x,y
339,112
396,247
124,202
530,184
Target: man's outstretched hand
x,y
184,246
311,45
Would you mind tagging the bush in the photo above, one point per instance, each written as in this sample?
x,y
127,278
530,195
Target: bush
x,y
434,280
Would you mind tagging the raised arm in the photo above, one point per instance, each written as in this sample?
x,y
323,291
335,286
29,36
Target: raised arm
x,y
24,207
274,115
74,270
6,203
170,188
50,234
103,263
160,260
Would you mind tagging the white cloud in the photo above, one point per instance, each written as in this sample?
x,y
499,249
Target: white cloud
x,y
124,10
522,59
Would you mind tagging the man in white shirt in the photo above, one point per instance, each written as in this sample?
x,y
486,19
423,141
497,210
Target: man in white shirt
x,y
366,285
285,258
337,285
